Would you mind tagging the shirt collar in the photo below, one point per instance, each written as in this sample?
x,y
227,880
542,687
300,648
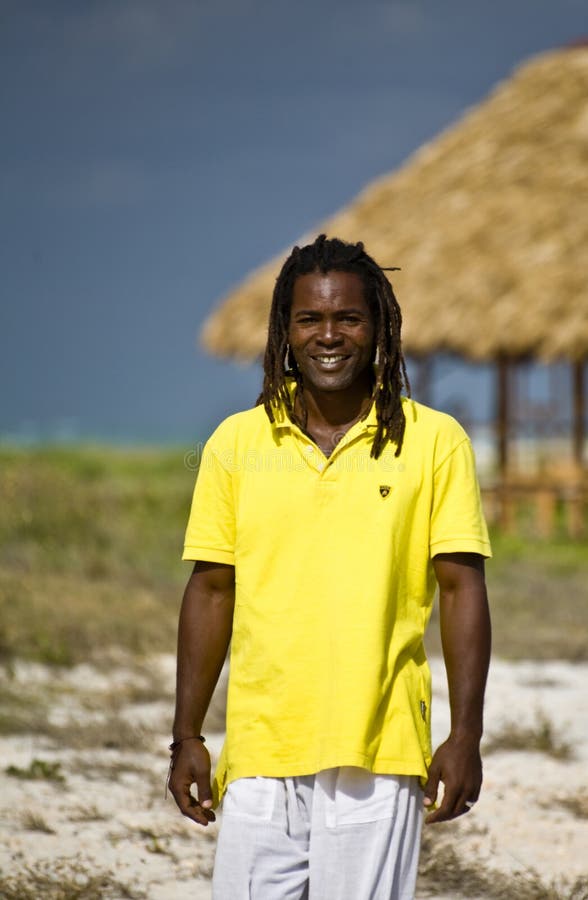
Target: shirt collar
x,y
282,419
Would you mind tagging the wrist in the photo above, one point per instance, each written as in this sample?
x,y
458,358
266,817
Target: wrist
x,y
466,734
180,740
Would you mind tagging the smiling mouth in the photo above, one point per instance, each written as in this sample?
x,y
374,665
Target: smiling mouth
x,y
330,361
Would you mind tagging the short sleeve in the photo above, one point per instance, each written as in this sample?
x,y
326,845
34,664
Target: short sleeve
x,y
210,535
457,520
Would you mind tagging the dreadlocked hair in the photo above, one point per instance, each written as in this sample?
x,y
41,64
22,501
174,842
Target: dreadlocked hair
x,y
325,255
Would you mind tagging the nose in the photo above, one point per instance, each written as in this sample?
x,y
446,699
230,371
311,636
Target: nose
x,y
328,334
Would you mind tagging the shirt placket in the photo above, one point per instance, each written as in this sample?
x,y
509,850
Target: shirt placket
x,y
312,453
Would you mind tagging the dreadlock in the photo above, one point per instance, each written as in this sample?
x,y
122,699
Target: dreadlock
x,y
325,255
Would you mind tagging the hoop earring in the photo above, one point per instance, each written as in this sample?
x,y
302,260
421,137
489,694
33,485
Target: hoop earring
x,y
289,362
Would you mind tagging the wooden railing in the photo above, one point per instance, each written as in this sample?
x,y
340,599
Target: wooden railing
x,y
541,506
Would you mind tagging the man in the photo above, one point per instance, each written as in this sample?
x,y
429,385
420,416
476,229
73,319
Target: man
x,y
321,520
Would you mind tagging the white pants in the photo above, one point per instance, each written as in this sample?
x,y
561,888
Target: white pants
x,y
343,834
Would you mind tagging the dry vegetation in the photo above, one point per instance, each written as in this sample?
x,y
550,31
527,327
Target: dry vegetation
x,y
575,803
89,564
444,872
541,737
33,821
64,879
89,552
538,592
90,573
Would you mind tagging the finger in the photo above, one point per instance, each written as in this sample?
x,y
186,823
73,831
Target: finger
x,y
454,804
474,794
192,809
200,814
189,806
204,789
432,787
446,808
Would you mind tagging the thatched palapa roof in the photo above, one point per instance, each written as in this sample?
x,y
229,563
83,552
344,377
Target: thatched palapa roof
x,y
489,223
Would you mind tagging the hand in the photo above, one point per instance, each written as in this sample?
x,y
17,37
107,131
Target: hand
x,y
191,765
458,765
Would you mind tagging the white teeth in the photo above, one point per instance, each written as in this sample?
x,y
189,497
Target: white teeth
x,y
329,360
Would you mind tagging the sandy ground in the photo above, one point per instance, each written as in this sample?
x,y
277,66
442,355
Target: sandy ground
x,y
110,814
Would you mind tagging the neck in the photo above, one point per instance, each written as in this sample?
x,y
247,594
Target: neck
x,y
336,409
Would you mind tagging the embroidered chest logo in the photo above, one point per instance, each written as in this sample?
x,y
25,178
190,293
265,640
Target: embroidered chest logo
x,y
384,490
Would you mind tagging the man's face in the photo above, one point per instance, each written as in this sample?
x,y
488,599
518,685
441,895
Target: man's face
x,y
331,331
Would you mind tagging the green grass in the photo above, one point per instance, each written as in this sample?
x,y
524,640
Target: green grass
x,y
90,540
38,770
96,513
539,598
538,594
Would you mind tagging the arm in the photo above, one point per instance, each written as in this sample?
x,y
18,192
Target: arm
x,y
465,636
204,633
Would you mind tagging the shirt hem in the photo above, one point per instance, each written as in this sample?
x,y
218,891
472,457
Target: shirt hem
x,y
381,766
208,554
461,545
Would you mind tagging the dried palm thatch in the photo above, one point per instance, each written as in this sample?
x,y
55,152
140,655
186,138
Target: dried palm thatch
x,y
489,223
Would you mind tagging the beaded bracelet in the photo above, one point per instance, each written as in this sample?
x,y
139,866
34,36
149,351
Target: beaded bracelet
x,y
195,737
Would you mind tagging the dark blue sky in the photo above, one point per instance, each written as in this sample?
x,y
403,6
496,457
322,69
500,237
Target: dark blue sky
x,y
153,152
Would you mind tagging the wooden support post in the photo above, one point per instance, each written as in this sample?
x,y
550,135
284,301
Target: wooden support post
x,y
579,401
575,514
502,415
545,503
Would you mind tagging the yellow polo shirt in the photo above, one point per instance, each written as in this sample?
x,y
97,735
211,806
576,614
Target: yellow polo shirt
x,y
334,586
